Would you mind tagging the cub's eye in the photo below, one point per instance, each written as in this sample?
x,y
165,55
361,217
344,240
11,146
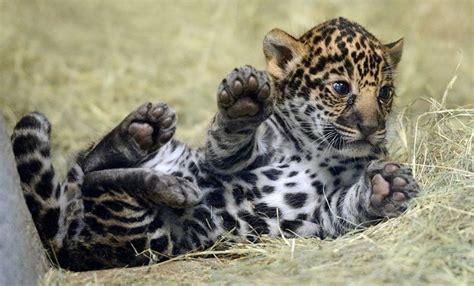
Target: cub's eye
x,y
341,87
385,93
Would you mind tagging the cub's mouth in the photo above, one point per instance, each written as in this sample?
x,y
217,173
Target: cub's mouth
x,y
341,139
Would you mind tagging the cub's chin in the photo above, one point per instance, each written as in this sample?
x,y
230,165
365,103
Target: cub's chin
x,y
361,148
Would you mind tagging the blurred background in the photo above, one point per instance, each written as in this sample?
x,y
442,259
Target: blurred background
x,y
86,64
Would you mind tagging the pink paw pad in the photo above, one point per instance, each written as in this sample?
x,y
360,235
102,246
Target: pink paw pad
x,y
392,186
150,126
245,93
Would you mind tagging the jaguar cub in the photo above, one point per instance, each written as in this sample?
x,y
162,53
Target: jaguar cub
x,y
296,150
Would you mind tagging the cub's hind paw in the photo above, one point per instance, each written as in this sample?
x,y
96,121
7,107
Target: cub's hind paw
x,y
392,186
150,126
245,94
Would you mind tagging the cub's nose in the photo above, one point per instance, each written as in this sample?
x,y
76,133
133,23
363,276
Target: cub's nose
x,y
367,129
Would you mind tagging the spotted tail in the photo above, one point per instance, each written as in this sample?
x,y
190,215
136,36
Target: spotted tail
x,y
46,197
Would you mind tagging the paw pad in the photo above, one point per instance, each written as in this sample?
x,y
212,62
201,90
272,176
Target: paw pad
x,y
142,133
392,186
150,126
245,93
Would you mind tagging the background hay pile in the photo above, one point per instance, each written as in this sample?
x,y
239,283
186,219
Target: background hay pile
x,y
86,64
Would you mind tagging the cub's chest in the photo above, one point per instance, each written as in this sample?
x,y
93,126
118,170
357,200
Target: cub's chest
x,y
322,173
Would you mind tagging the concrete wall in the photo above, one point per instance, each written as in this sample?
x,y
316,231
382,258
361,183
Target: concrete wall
x,y
22,257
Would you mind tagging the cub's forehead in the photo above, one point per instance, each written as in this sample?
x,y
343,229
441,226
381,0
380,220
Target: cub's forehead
x,y
338,31
347,44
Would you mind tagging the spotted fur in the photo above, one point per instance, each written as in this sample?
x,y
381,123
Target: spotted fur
x,y
285,155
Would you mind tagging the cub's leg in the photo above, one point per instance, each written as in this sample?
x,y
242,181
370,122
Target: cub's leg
x,y
140,134
384,191
244,101
125,213
148,186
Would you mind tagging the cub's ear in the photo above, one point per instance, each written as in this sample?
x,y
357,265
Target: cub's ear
x,y
394,51
282,51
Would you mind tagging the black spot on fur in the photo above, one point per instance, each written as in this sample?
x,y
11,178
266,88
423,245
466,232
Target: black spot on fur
x,y
155,224
248,177
256,223
177,174
26,144
309,110
209,183
292,174
296,200
272,174
268,189
250,195
229,222
72,175
45,186
29,170
319,187
256,192
33,206
336,170
45,152
196,226
49,223
204,216
159,244
238,194
29,122
291,225
295,158
302,216
260,160
216,199
265,210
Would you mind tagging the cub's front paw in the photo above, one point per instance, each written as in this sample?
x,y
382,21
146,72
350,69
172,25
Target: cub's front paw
x,y
150,126
392,186
245,95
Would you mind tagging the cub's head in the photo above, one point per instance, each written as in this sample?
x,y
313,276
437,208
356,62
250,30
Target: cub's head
x,y
335,84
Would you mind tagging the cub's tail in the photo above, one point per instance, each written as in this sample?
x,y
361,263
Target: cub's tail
x,y
48,200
